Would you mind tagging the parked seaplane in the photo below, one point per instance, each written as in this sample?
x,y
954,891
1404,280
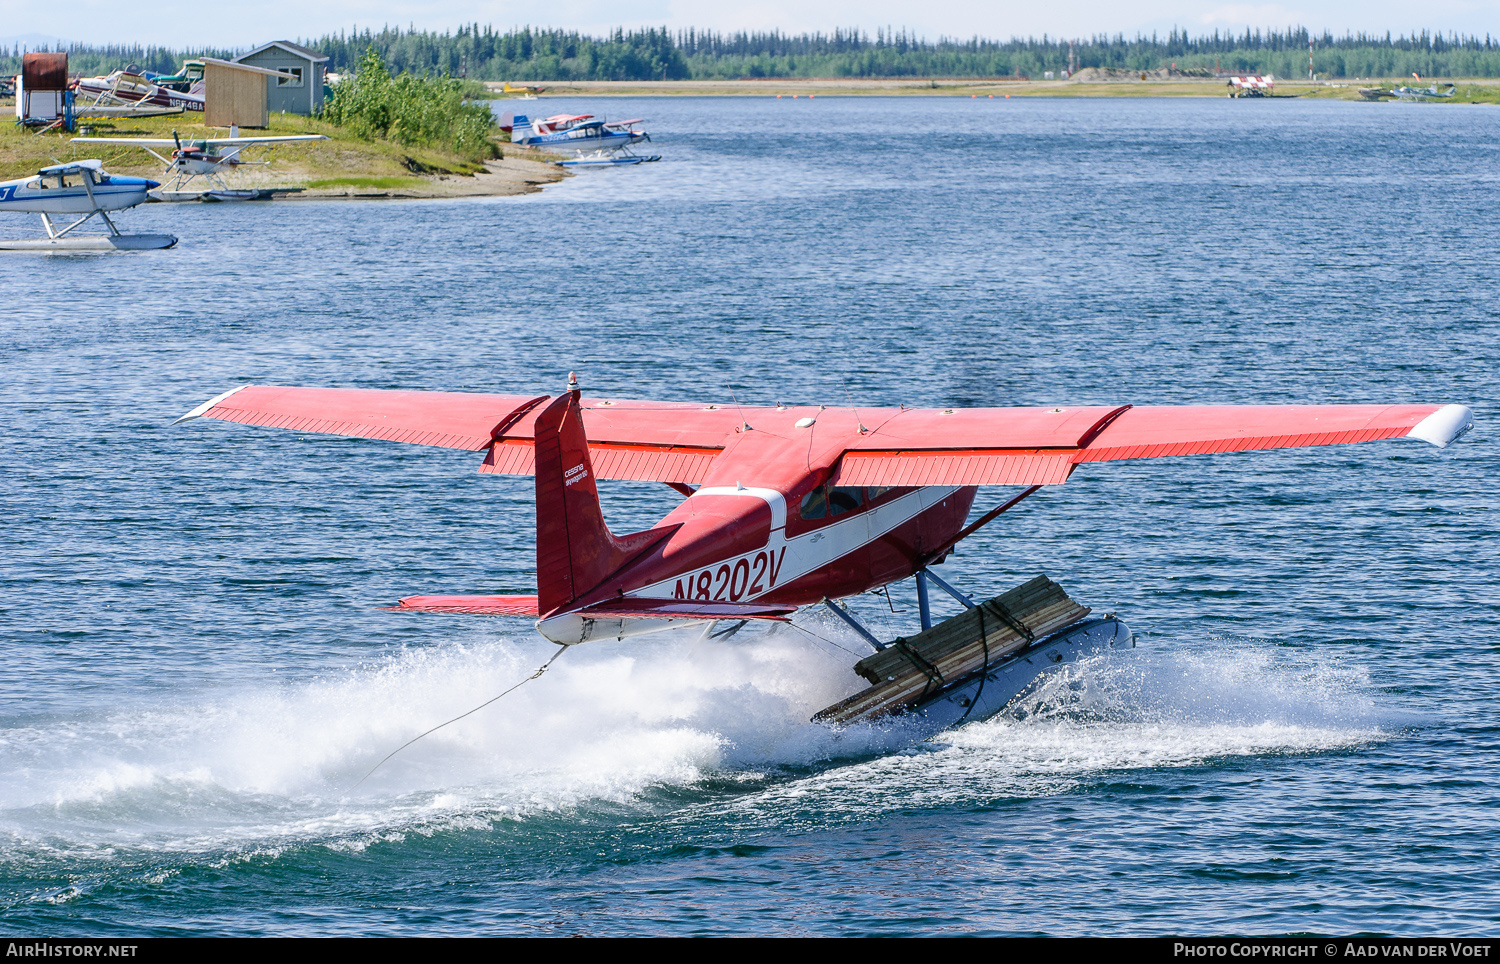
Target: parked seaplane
x,y
793,506
130,92
576,132
1424,93
205,157
83,188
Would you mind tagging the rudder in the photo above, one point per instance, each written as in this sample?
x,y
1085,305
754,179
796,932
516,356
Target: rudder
x,y
575,551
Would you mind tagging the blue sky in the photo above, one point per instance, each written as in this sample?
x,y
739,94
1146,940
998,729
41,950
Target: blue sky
x,y
185,24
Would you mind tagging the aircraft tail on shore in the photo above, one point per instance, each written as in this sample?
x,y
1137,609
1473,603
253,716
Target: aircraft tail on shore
x,y
521,130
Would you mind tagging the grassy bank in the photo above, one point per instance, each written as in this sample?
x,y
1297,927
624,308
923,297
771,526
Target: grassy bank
x,y
343,164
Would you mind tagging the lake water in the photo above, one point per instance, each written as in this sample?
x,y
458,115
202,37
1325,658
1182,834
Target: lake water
x,y
1306,738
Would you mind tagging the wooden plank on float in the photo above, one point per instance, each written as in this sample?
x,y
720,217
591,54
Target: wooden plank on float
x,y
914,668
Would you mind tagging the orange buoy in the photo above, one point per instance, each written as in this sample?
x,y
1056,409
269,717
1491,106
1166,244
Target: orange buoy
x,y
1007,97
811,96
992,97
778,96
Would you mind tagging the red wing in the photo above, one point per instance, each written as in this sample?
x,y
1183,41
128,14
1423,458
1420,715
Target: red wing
x,y
678,442
934,454
450,419
1150,431
469,605
649,441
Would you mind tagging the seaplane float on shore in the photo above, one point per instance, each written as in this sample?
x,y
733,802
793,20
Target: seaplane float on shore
x,y
205,157
78,188
595,143
791,506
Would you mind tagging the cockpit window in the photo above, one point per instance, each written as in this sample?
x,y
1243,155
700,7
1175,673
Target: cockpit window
x,y
845,498
824,501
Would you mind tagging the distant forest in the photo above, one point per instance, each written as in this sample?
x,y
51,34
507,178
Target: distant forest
x,y
527,54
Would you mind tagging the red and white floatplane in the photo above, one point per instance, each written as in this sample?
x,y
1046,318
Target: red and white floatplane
x,y
798,506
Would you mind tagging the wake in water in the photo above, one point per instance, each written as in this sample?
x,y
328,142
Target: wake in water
x,y
1112,713
611,722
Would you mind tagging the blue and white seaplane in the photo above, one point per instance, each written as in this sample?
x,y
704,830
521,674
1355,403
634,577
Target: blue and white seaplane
x,y
1424,93
595,143
84,188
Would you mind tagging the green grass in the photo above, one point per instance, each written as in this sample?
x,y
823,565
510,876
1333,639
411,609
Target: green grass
x,y
343,156
365,182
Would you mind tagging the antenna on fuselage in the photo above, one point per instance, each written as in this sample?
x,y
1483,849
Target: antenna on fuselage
x,y
857,420
744,424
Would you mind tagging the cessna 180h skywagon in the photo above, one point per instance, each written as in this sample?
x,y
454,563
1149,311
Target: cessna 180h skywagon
x,y
206,157
83,188
793,506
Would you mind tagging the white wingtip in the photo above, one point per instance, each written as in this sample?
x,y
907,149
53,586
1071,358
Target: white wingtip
x,y
198,412
1445,425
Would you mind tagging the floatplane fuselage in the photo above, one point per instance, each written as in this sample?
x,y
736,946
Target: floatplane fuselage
x,y
78,188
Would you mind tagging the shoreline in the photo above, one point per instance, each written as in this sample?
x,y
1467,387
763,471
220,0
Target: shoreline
x,y
345,168
342,166
1155,84
509,176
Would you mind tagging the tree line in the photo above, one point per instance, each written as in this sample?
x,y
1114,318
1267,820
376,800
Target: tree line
x,y
485,53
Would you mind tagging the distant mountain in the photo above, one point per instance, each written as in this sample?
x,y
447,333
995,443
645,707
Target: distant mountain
x,y
33,41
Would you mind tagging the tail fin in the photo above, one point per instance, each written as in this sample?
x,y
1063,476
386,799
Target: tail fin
x,y
575,551
520,129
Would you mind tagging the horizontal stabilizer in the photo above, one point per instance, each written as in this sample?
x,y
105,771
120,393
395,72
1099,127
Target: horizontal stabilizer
x,y
626,608
469,605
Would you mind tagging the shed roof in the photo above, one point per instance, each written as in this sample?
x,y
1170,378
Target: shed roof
x,y
290,48
250,67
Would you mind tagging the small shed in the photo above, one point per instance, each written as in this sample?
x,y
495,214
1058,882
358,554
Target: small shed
x,y
234,95
301,91
40,86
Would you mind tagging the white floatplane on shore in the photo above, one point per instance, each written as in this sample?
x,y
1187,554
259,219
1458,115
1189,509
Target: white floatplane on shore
x,y
1424,93
205,157
83,188
618,157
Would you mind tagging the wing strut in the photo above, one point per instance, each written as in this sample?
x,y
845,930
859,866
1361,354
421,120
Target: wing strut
x,y
976,525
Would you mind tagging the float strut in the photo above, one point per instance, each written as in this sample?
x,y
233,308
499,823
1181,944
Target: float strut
x,y
922,605
854,624
967,602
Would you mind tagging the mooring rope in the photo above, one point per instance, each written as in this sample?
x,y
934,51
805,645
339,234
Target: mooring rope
x,y
539,671
984,673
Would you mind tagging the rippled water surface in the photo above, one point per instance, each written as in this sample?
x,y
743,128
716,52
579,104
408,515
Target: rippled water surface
x,y
1305,739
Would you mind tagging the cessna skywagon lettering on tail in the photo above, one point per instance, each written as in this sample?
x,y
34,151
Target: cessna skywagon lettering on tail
x,y
794,505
